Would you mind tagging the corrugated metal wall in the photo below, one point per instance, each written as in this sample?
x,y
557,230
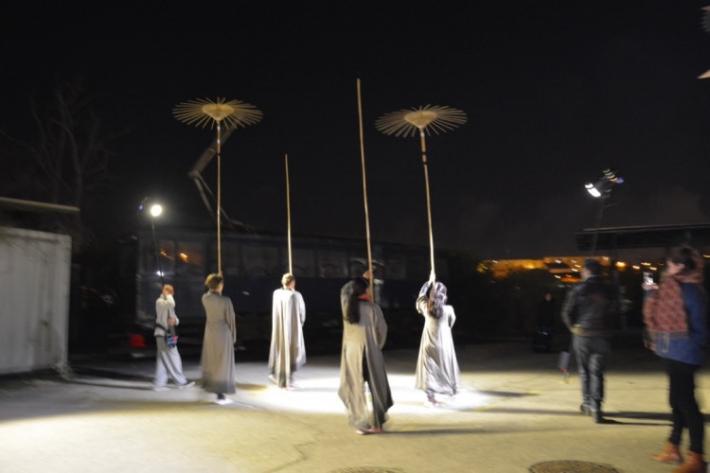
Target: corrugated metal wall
x,y
34,299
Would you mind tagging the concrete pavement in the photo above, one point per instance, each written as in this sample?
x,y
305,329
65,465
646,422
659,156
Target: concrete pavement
x,y
514,411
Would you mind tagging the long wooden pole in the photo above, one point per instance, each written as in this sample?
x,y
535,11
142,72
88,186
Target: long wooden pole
x,y
425,163
364,192
219,198
288,215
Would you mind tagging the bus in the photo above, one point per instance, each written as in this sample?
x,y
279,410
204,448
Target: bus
x,y
252,264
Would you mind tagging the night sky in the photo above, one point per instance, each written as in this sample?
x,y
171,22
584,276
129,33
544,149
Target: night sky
x,y
555,92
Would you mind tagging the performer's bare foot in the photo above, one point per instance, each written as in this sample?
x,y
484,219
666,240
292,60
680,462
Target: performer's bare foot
x,y
375,430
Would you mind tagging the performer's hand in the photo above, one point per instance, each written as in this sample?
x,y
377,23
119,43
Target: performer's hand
x,y
432,276
649,286
172,321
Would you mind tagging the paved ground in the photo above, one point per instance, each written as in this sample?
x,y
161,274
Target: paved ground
x,y
515,411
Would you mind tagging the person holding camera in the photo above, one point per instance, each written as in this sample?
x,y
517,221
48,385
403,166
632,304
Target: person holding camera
x,y
167,361
675,316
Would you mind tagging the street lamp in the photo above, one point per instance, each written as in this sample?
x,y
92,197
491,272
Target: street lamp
x,y
601,189
155,210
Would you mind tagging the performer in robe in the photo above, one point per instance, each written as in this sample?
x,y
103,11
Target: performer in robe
x,y
288,350
218,344
364,335
437,368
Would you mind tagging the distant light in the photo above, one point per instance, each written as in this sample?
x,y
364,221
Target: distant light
x,y
184,258
159,273
558,261
620,264
704,75
156,210
645,264
593,191
706,256
653,268
636,267
558,276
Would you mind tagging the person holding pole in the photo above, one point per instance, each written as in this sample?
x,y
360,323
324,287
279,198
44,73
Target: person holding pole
x,y
364,335
437,367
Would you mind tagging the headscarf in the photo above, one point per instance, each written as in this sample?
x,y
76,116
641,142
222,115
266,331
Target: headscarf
x,y
436,296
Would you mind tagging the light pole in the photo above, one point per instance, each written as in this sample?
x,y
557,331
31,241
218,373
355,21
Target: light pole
x,y
155,210
602,190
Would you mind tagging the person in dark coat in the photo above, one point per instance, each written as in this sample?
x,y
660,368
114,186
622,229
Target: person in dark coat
x,y
589,312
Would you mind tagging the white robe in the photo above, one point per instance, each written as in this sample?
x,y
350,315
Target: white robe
x,y
437,366
218,370
288,350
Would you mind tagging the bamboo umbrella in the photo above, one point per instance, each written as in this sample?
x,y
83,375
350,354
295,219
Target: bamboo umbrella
x,y
218,113
429,119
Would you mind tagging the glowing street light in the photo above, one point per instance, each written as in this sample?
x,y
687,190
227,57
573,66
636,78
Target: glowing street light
x,y
602,190
593,191
603,187
156,210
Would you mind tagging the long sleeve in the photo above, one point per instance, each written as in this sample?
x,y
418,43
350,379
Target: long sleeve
x,y
230,317
380,325
173,314
452,315
162,310
649,309
569,307
695,305
301,308
421,305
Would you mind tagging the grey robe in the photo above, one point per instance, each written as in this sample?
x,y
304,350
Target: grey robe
x,y
218,344
437,367
361,360
288,350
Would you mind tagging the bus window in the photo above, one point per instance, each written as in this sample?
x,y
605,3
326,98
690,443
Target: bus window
x,y
231,261
396,268
167,257
261,261
190,259
303,262
332,264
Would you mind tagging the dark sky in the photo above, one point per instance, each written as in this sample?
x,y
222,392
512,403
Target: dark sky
x,y
555,92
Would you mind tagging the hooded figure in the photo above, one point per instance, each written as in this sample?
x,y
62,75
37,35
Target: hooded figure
x,y
288,350
437,367
364,335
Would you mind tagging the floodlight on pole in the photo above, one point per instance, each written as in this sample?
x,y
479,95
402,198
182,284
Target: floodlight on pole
x,y
154,210
601,190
